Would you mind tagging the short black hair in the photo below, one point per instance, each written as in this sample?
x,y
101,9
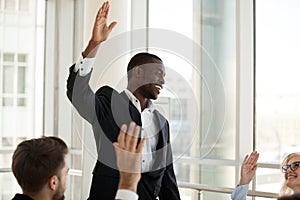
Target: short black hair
x,y
140,59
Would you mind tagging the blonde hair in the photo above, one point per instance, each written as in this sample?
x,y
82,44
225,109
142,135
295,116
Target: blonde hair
x,y
285,190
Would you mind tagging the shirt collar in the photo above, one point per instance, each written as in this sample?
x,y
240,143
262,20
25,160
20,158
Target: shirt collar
x,y
136,102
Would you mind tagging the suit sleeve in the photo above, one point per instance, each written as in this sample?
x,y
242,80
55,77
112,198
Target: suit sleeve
x,y
169,188
88,105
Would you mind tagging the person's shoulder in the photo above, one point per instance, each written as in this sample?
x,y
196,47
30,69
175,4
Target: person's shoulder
x,y
21,197
106,91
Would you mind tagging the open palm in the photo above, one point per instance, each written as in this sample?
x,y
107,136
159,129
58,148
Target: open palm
x,y
248,168
100,29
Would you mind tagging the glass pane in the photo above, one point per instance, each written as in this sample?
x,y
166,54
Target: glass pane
x,y
7,141
10,186
8,79
219,74
21,102
74,186
5,160
24,5
22,57
195,77
17,43
216,175
8,57
269,180
10,4
188,194
8,102
22,79
277,79
215,195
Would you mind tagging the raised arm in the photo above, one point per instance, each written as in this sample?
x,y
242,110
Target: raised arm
x,y
100,31
248,168
78,89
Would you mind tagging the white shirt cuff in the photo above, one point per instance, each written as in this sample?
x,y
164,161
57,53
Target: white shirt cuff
x,y
84,65
126,195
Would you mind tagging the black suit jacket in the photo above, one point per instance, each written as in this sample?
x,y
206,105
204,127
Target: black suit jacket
x,y
21,197
107,110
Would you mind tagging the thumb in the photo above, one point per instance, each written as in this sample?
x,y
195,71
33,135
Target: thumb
x,y
112,25
116,145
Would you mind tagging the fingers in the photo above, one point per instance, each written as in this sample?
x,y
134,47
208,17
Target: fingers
x,y
245,159
251,159
121,137
128,138
132,137
103,11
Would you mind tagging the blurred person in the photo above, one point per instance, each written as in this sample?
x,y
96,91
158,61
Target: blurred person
x,y
40,168
289,166
107,109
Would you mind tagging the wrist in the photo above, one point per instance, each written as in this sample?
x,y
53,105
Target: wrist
x,y
127,185
91,49
243,182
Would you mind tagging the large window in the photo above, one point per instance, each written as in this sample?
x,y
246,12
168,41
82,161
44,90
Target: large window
x,y
277,86
14,76
200,86
21,79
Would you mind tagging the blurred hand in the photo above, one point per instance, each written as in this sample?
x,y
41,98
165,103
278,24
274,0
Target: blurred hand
x,y
129,156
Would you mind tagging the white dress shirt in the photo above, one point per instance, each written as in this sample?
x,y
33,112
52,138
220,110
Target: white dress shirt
x,y
150,130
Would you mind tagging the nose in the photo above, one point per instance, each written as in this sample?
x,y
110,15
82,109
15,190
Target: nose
x,y
162,80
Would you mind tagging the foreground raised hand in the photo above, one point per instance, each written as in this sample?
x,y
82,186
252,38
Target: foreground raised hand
x,y
128,152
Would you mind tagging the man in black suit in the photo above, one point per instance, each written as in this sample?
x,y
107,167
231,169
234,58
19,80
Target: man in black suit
x,y
107,110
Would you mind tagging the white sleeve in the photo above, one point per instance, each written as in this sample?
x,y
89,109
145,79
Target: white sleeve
x,y
126,195
240,192
84,65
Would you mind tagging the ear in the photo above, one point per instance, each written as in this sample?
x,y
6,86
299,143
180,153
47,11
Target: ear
x,y
138,71
53,182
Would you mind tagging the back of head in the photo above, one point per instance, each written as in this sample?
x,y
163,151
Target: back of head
x,y
35,161
141,59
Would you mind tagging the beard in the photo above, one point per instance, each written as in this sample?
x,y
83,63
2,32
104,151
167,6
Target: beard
x,y
59,195
148,91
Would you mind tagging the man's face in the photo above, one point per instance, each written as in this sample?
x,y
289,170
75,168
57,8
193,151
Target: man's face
x,y
59,195
153,79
